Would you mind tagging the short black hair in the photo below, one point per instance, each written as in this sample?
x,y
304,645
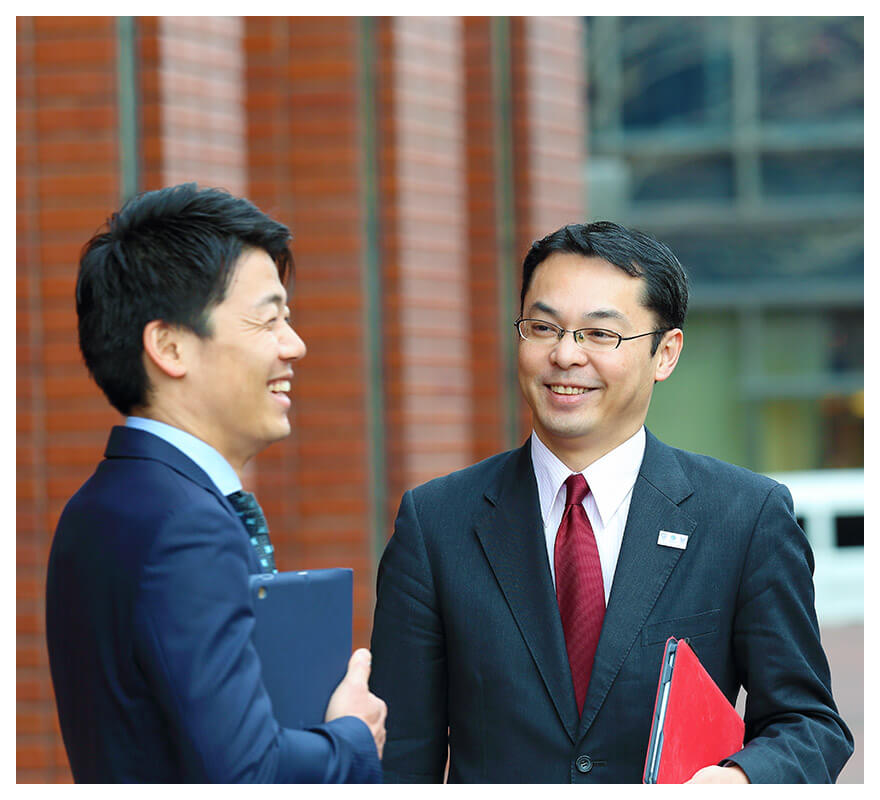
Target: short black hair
x,y
167,254
636,253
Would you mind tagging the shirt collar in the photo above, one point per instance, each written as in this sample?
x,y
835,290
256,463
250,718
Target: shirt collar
x,y
610,478
215,466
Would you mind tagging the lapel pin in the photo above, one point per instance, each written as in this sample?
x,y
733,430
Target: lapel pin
x,y
670,539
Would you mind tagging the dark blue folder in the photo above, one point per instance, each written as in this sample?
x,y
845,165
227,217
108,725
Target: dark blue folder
x,y
303,637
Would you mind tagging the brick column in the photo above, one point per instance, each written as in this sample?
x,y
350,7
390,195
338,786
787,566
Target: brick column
x,y
550,145
305,165
67,183
425,249
549,137
192,101
546,81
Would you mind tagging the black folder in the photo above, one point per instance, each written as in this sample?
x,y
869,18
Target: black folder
x,y
303,637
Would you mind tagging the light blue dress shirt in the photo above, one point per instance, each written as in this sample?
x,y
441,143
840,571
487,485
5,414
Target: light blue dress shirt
x,y
214,465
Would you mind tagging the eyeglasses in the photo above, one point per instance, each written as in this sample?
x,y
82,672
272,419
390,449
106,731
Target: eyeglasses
x,y
592,339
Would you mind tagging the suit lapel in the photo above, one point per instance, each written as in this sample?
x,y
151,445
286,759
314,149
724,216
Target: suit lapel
x,y
511,533
643,566
125,442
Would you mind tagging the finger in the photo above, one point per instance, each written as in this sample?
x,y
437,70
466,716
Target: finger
x,y
359,665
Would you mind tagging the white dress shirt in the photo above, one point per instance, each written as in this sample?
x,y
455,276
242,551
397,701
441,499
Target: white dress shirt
x,y
611,480
217,468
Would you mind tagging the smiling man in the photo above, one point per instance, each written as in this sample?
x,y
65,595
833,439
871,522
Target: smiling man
x,y
524,602
184,324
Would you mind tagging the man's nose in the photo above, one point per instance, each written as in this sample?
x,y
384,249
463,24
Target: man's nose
x,y
293,347
568,353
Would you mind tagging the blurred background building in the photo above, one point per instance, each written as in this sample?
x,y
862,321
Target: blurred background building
x,y
415,159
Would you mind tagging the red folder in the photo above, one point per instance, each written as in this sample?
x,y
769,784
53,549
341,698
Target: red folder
x,y
694,724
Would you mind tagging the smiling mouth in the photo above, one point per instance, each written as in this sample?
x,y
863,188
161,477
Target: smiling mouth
x,y
560,389
280,386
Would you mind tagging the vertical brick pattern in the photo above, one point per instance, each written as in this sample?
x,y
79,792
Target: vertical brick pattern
x,y
427,303
549,83
305,157
192,84
488,380
67,184
549,138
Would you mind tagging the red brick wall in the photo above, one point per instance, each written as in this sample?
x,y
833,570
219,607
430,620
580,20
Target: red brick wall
x,y
550,88
192,101
305,167
548,132
67,183
425,270
272,108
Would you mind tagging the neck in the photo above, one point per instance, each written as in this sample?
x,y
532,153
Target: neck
x,y
176,419
576,455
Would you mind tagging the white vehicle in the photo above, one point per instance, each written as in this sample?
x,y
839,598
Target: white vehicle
x,y
830,507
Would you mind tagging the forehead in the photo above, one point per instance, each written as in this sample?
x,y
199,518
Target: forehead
x,y
581,284
255,280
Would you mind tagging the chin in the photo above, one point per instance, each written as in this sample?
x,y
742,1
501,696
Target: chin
x,y
567,428
277,433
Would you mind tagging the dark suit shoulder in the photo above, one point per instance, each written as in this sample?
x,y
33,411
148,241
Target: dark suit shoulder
x,y
704,471
122,508
470,481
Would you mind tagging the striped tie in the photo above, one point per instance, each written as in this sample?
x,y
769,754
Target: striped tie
x,y
247,507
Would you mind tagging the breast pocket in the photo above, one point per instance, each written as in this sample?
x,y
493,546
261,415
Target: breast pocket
x,y
690,627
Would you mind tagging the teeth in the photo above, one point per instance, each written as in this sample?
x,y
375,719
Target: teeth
x,y
567,389
279,386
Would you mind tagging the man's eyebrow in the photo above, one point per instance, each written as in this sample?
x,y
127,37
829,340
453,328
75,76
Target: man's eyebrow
x,y
543,307
274,299
606,313
598,314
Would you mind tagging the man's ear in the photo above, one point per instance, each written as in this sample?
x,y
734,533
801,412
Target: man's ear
x,y
163,344
669,351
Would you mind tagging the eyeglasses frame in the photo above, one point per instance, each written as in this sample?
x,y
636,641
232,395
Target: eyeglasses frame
x,y
562,331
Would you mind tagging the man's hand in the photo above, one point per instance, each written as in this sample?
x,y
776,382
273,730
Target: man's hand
x,y
719,775
352,698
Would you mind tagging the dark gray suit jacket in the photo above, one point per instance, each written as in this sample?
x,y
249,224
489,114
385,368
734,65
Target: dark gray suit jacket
x,y
467,636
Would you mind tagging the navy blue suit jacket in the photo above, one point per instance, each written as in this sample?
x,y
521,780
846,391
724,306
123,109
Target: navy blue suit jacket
x,y
149,621
467,635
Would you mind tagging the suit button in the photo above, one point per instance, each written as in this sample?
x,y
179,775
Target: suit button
x,y
584,763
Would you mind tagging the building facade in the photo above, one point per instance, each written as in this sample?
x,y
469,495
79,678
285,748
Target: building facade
x,y
414,160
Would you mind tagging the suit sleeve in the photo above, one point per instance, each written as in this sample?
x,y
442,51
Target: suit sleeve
x,y
793,731
193,642
409,656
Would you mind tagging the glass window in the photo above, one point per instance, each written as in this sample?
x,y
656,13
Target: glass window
x,y
847,347
808,173
682,179
676,71
843,431
812,68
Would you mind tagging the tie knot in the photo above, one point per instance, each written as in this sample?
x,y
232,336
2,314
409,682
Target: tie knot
x,y
248,509
576,489
244,502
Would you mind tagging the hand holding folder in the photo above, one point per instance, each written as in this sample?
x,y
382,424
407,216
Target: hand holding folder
x,y
302,633
694,724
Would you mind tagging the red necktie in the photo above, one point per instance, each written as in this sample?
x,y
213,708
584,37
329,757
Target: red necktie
x,y
579,588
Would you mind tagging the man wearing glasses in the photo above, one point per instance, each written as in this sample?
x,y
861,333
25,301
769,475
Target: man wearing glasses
x,y
524,602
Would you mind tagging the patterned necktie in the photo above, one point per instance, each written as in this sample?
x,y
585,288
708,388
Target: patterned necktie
x,y
579,588
247,507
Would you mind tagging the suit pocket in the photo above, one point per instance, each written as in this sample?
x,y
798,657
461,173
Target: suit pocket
x,y
690,627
